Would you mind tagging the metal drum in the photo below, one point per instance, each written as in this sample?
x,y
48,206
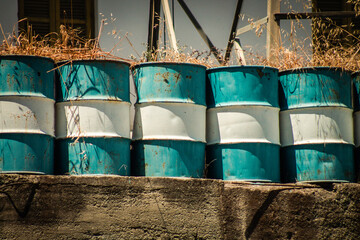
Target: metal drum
x,y
93,118
356,101
316,125
169,126
243,123
27,114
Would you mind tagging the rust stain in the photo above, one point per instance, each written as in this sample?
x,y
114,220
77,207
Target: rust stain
x,y
336,93
163,165
260,73
177,77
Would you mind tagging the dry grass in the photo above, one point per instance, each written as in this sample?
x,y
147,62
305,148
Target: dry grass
x,y
66,45
183,56
331,45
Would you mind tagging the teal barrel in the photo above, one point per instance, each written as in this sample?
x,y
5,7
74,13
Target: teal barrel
x,y
243,140
93,118
27,114
316,125
356,104
169,127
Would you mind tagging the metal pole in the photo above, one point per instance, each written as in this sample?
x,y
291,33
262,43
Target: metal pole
x,y
273,31
169,25
201,31
233,30
153,31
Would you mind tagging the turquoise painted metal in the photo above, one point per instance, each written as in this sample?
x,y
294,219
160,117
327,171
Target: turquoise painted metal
x,y
356,91
170,156
242,85
26,76
315,87
31,77
175,82
26,153
317,160
103,152
93,79
356,104
242,158
159,158
244,161
91,155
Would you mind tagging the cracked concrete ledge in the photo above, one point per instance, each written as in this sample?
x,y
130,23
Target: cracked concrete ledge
x,y
114,207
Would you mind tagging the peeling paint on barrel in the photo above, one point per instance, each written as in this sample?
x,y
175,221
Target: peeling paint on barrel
x,y
316,125
169,128
156,82
27,114
243,123
93,111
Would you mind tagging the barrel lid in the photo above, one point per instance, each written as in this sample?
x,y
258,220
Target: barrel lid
x,y
14,56
311,69
167,63
64,62
215,69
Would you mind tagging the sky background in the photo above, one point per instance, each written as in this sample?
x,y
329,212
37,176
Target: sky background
x,y
215,17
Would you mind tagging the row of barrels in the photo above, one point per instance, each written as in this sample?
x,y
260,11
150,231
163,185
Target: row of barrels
x,y
251,122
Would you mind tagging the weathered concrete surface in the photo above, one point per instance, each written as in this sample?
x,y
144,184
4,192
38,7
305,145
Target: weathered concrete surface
x,y
111,207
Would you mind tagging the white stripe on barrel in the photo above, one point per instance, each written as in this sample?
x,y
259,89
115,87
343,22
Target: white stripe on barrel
x,y
357,128
27,115
316,125
92,118
240,124
176,121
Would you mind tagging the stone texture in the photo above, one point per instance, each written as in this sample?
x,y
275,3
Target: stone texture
x,y
113,207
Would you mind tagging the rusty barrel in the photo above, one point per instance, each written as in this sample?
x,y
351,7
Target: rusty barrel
x,y
93,117
243,141
169,126
27,114
316,125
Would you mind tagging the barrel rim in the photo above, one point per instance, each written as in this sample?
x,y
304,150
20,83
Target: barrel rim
x,y
215,69
167,63
356,73
26,56
66,62
309,69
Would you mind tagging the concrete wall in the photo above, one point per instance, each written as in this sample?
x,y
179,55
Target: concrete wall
x,y
111,207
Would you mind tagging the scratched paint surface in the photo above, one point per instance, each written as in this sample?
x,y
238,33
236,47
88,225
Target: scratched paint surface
x,y
310,87
170,158
169,127
93,79
92,155
318,162
27,76
26,153
170,82
243,123
245,161
317,123
26,114
242,85
93,107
